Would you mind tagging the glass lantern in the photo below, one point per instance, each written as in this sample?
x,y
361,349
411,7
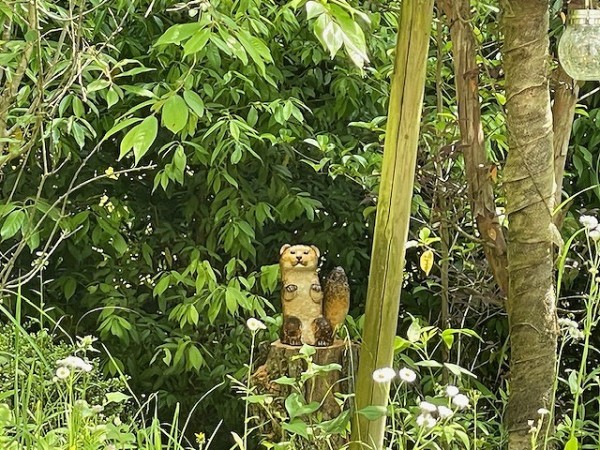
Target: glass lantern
x,y
579,47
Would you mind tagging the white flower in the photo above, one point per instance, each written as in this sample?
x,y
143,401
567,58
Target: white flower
x,y
75,362
82,404
384,375
411,244
460,401
62,373
255,324
543,411
571,328
427,408
577,335
564,322
590,222
426,421
444,412
407,375
595,234
86,343
451,391
97,409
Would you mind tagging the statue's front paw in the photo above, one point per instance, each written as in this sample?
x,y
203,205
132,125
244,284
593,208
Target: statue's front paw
x,y
292,340
291,333
323,332
323,343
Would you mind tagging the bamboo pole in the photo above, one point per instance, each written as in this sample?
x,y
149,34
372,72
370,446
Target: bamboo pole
x,y
393,216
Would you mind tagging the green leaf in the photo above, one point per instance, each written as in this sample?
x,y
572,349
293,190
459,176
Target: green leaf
x,y
97,85
329,34
314,9
161,286
573,382
428,363
337,425
5,415
112,97
294,403
448,339
33,239
194,101
116,397
197,42
285,381
298,427
69,287
140,138
119,244
231,300
373,412
458,371
234,131
354,38
177,33
257,50
414,331
238,440
12,224
175,113
572,444
78,108
120,126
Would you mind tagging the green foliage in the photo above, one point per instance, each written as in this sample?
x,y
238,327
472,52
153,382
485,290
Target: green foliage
x,y
175,157
155,155
54,396
29,361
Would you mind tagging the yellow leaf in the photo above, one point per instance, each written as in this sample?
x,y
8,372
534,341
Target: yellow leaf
x,y
426,261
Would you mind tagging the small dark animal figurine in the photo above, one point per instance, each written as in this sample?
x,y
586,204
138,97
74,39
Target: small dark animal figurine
x,y
308,317
336,301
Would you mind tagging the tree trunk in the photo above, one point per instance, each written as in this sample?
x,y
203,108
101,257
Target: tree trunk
x,y
481,191
393,216
529,180
282,360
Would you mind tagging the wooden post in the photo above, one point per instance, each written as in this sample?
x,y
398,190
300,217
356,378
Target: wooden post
x,y
393,216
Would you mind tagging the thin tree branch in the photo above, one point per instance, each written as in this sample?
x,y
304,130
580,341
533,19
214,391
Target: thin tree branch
x,y
481,191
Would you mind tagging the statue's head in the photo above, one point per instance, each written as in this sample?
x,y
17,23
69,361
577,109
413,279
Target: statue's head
x,y
305,257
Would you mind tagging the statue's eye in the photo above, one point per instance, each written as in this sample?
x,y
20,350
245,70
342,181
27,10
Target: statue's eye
x,y
293,252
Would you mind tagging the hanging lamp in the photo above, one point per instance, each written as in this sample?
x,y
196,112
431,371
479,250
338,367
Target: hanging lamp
x,y
579,47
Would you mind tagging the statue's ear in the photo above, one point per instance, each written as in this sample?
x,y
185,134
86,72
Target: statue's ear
x,y
283,249
316,249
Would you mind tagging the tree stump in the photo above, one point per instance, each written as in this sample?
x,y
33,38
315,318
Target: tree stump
x,y
285,361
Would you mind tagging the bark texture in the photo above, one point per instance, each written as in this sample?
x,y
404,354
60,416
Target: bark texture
x,y
529,182
481,190
282,361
